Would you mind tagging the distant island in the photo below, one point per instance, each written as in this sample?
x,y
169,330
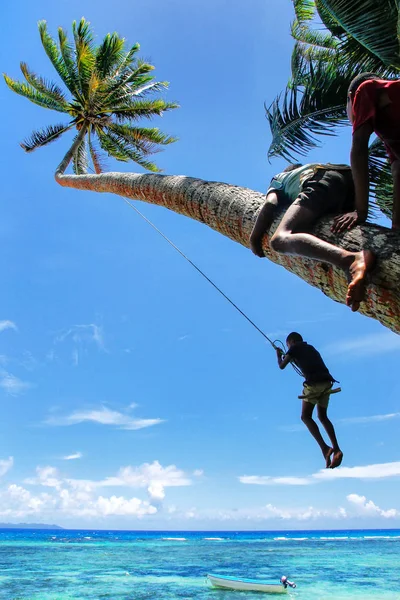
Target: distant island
x,y
29,526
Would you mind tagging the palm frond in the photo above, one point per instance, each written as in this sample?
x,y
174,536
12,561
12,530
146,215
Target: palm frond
x,y
109,55
48,88
139,109
68,56
34,96
373,24
127,60
329,20
97,160
380,176
304,10
44,136
303,113
313,37
80,159
143,139
54,55
123,151
85,54
126,78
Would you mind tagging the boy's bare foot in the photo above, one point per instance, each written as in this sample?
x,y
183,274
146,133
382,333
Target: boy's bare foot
x,y
362,264
327,455
337,459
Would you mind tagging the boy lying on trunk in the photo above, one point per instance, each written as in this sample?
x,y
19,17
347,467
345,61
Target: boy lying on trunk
x,y
310,192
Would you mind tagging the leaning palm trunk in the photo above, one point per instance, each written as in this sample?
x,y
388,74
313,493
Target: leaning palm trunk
x,y
232,210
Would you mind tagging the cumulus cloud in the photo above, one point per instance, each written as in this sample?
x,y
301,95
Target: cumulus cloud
x,y
83,497
74,456
377,471
7,325
368,508
103,416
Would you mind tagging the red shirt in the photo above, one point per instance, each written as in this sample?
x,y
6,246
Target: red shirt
x,y
385,121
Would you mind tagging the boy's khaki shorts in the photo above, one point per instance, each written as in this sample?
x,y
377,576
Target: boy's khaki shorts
x,y
317,393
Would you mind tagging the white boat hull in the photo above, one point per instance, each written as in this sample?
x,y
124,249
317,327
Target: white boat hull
x,y
248,585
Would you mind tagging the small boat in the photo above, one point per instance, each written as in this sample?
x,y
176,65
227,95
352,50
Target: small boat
x,y
250,585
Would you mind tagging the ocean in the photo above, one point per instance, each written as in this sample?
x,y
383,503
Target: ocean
x,y
139,565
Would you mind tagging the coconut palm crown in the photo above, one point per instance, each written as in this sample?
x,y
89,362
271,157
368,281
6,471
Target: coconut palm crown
x,y
334,41
108,90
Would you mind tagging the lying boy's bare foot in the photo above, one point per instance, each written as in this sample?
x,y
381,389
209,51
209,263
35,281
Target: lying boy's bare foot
x,y
362,264
327,455
337,459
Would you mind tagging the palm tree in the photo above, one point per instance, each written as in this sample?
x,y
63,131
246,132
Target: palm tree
x,y
357,36
109,91
231,210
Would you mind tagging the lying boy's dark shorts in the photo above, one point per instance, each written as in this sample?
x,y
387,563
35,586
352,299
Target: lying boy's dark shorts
x,y
328,191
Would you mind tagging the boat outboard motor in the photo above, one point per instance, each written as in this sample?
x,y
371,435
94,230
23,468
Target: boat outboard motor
x,y
285,582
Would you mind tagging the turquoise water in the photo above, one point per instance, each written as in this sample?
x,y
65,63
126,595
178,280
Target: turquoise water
x,y
326,565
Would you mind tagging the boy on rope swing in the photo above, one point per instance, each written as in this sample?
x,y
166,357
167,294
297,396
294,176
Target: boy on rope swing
x,y
373,106
316,392
310,192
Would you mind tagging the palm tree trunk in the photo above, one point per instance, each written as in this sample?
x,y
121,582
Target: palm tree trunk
x,y
232,211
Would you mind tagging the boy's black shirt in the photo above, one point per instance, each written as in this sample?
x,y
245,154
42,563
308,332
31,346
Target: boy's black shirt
x,y
310,362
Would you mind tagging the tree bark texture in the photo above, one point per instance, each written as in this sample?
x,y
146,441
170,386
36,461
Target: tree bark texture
x,y
232,210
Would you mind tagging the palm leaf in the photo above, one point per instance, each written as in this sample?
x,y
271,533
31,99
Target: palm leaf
x,y
48,88
68,56
380,176
80,159
123,151
302,114
373,23
97,160
144,140
44,136
34,96
304,9
85,54
110,55
138,109
54,55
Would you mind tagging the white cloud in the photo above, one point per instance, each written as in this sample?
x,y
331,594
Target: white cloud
x,y
377,471
366,345
7,325
104,416
77,341
79,497
152,476
369,419
267,480
11,384
6,465
367,508
198,473
73,456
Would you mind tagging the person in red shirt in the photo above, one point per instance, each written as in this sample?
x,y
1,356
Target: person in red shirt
x,y
373,106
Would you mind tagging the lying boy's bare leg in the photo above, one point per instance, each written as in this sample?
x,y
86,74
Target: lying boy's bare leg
x,y
330,430
289,238
306,417
263,222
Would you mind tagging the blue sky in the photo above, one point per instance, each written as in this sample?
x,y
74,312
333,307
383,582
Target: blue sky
x,y
132,394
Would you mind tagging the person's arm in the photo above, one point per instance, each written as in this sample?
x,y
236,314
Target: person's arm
x,y
263,223
359,168
283,359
